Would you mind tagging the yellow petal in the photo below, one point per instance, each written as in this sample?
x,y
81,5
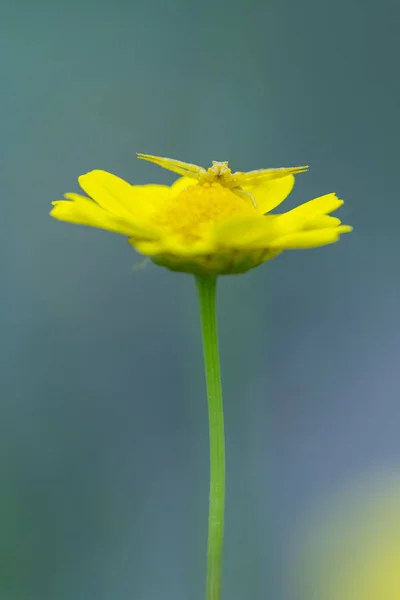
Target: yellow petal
x,y
172,246
270,194
302,216
248,231
147,247
81,210
199,247
309,239
148,199
110,192
321,222
319,206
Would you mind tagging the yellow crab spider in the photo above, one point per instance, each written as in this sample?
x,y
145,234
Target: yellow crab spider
x,y
219,172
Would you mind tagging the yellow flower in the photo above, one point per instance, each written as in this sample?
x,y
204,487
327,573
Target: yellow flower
x,y
209,221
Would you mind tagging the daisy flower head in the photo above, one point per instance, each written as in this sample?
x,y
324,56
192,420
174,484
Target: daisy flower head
x,y
209,221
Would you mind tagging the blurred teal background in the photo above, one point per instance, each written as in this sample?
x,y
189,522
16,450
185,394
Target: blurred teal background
x,y
103,425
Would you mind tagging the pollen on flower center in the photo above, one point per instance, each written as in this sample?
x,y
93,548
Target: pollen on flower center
x,y
198,207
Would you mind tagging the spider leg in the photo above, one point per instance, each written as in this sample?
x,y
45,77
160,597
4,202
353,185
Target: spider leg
x,y
261,175
177,166
244,194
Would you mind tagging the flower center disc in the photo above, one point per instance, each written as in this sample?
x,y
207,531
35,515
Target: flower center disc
x,y
192,212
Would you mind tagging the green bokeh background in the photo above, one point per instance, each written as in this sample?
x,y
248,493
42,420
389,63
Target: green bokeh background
x,y
103,424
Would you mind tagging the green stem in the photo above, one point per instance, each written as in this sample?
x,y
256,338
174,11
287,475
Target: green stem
x,y
206,288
